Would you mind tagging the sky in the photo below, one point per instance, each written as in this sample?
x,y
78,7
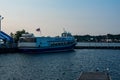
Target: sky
x,y
80,17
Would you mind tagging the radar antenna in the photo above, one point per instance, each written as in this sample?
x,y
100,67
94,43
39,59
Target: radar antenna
x,y
64,30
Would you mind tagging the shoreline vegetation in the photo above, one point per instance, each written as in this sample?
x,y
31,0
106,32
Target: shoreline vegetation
x,y
111,38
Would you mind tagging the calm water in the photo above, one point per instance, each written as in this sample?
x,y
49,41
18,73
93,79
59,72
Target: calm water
x,y
58,66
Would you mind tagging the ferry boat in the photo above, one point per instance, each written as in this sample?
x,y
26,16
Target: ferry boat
x,y
30,43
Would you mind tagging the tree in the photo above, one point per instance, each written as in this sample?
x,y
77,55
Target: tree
x,y
17,35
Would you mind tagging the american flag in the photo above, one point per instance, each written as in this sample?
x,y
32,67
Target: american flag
x,y
38,29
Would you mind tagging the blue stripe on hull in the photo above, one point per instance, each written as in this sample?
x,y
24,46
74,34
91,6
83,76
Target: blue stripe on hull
x,y
39,50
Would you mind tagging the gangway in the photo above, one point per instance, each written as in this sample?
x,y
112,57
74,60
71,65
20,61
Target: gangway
x,y
5,40
5,36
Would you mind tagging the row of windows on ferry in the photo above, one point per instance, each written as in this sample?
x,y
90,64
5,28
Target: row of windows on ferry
x,y
60,43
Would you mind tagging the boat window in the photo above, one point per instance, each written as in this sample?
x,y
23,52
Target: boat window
x,y
27,40
66,35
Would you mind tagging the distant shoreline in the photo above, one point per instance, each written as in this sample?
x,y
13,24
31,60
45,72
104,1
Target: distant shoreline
x,y
109,38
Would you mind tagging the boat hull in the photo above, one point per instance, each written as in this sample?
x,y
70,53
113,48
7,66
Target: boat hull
x,y
49,49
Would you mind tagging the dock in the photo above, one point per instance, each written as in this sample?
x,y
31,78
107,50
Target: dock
x,y
8,50
94,76
97,47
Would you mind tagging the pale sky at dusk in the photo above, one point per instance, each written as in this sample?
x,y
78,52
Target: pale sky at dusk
x,y
80,17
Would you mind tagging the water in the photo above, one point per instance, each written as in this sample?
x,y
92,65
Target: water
x,y
58,66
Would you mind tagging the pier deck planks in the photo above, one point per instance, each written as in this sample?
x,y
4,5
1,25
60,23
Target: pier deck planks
x,y
94,76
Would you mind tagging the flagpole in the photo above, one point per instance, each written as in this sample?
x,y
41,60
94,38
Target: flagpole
x,y
40,33
0,21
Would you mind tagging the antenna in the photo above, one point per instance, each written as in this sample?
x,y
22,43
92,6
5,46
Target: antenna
x,y
0,21
64,30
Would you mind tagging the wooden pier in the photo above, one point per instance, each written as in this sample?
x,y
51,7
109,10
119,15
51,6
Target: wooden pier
x,y
97,47
8,50
94,76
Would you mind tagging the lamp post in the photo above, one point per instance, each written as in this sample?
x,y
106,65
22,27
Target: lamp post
x,y
0,21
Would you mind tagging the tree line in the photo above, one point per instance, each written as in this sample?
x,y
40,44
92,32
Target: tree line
x,y
17,35
99,38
